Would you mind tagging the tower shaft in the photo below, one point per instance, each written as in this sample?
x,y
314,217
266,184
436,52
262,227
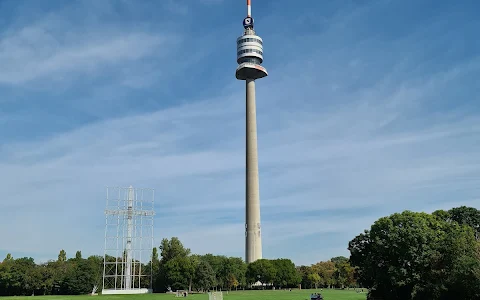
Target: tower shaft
x,y
253,238
249,59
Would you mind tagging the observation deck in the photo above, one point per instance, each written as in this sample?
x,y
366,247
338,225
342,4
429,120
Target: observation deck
x,y
250,56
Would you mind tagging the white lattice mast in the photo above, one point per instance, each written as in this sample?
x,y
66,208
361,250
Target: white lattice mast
x,y
128,241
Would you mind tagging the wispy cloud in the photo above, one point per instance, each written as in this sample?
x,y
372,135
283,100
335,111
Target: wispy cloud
x,y
345,136
32,53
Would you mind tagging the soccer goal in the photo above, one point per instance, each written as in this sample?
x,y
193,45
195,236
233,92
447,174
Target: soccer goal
x,y
215,296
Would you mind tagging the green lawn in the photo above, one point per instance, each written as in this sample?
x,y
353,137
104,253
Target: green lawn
x,y
240,295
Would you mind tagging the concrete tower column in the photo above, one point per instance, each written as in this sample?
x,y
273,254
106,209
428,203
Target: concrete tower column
x,y
253,242
249,59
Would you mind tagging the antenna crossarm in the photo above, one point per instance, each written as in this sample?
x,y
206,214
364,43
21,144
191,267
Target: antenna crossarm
x,y
130,212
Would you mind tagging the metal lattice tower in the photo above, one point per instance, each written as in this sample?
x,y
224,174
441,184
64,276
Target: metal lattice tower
x,y
249,59
127,267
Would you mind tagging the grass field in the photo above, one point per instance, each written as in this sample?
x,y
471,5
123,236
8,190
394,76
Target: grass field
x,y
240,295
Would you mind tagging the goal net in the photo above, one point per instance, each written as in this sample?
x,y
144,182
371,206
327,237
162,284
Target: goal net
x,y
215,296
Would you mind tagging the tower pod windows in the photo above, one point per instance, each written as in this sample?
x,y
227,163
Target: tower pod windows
x,y
249,46
252,60
250,40
249,51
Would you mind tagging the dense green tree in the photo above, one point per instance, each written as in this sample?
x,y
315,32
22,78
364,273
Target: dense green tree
x,y
174,273
15,277
155,267
5,276
344,274
47,275
442,215
81,276
189,267
335,272
78,255
204,276
339,260
176,269
458,264
410,255
155,254
304,272
232,282
54,272
62,256
326,270
9,257
464,280
314,278
262,270
234,272
218,264
33,280
172,248
462,215
285,273
96,264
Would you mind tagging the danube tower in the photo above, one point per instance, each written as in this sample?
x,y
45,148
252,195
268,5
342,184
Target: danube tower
x,y
249,59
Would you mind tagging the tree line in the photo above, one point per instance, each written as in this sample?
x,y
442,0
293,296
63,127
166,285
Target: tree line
x,y
335,273
174,267
178,269
416,255
408,255
63,276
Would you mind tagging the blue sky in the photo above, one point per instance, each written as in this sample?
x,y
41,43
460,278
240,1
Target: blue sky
x,y
370,107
